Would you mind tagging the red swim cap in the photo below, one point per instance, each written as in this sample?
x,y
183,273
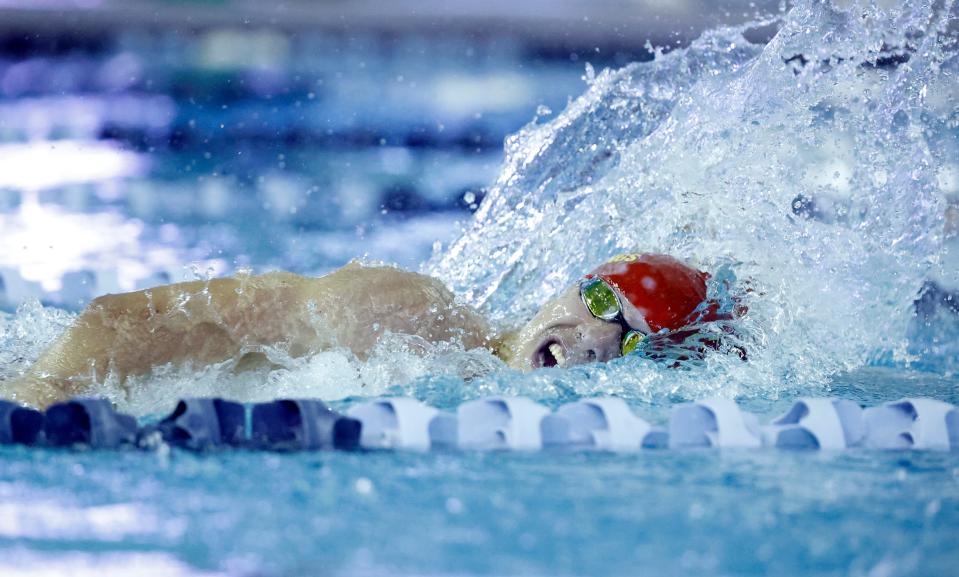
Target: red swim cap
x,y
662,290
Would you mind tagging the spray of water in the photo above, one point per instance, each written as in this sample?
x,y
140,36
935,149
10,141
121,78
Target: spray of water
x,y
812,163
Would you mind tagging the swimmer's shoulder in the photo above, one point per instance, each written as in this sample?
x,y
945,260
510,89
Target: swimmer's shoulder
x,y
272,279
383,276
385,286
226,290
355,281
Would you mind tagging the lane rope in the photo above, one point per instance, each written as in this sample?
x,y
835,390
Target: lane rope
x,y
495,423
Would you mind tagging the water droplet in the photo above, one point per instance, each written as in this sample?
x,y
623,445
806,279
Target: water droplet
x,y
364,486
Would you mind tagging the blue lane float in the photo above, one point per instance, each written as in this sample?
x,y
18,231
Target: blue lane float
x,y
302,425
203,424
19,425
496,423
90,423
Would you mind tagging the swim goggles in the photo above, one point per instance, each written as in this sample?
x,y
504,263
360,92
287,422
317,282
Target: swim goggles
x,y
603,302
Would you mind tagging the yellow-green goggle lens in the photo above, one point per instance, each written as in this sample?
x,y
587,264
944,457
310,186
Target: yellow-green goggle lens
x,y
599,298
631,340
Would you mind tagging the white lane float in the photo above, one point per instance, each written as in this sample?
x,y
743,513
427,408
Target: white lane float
x,y
605,424
500,423
395,423
496,423
830,424
912,424
713,423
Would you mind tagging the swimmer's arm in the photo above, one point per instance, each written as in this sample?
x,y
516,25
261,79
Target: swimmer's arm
x,y
57,373
130,333
206,322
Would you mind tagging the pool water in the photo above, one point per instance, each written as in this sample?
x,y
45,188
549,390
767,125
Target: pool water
x,y
694,512
813,174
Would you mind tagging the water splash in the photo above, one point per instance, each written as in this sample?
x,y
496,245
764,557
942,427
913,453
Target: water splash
x,y
26,334
813,162
331,375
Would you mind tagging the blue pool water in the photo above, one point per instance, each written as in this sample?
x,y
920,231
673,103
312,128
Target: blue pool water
x,y
818,170
746,512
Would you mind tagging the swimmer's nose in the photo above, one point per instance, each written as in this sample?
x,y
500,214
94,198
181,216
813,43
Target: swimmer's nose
x,y
600,342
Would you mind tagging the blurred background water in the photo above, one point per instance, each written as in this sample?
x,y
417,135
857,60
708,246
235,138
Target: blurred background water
x,y
150,141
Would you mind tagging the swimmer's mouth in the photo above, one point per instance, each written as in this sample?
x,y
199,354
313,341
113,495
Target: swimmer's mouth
x,y
550,354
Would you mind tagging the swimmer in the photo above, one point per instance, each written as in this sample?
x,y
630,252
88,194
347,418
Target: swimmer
x,y
241,319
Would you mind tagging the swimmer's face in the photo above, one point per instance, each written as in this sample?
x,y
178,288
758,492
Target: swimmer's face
x,y
564,333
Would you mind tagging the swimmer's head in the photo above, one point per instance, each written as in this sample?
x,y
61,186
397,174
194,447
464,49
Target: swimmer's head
x,y
610,311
